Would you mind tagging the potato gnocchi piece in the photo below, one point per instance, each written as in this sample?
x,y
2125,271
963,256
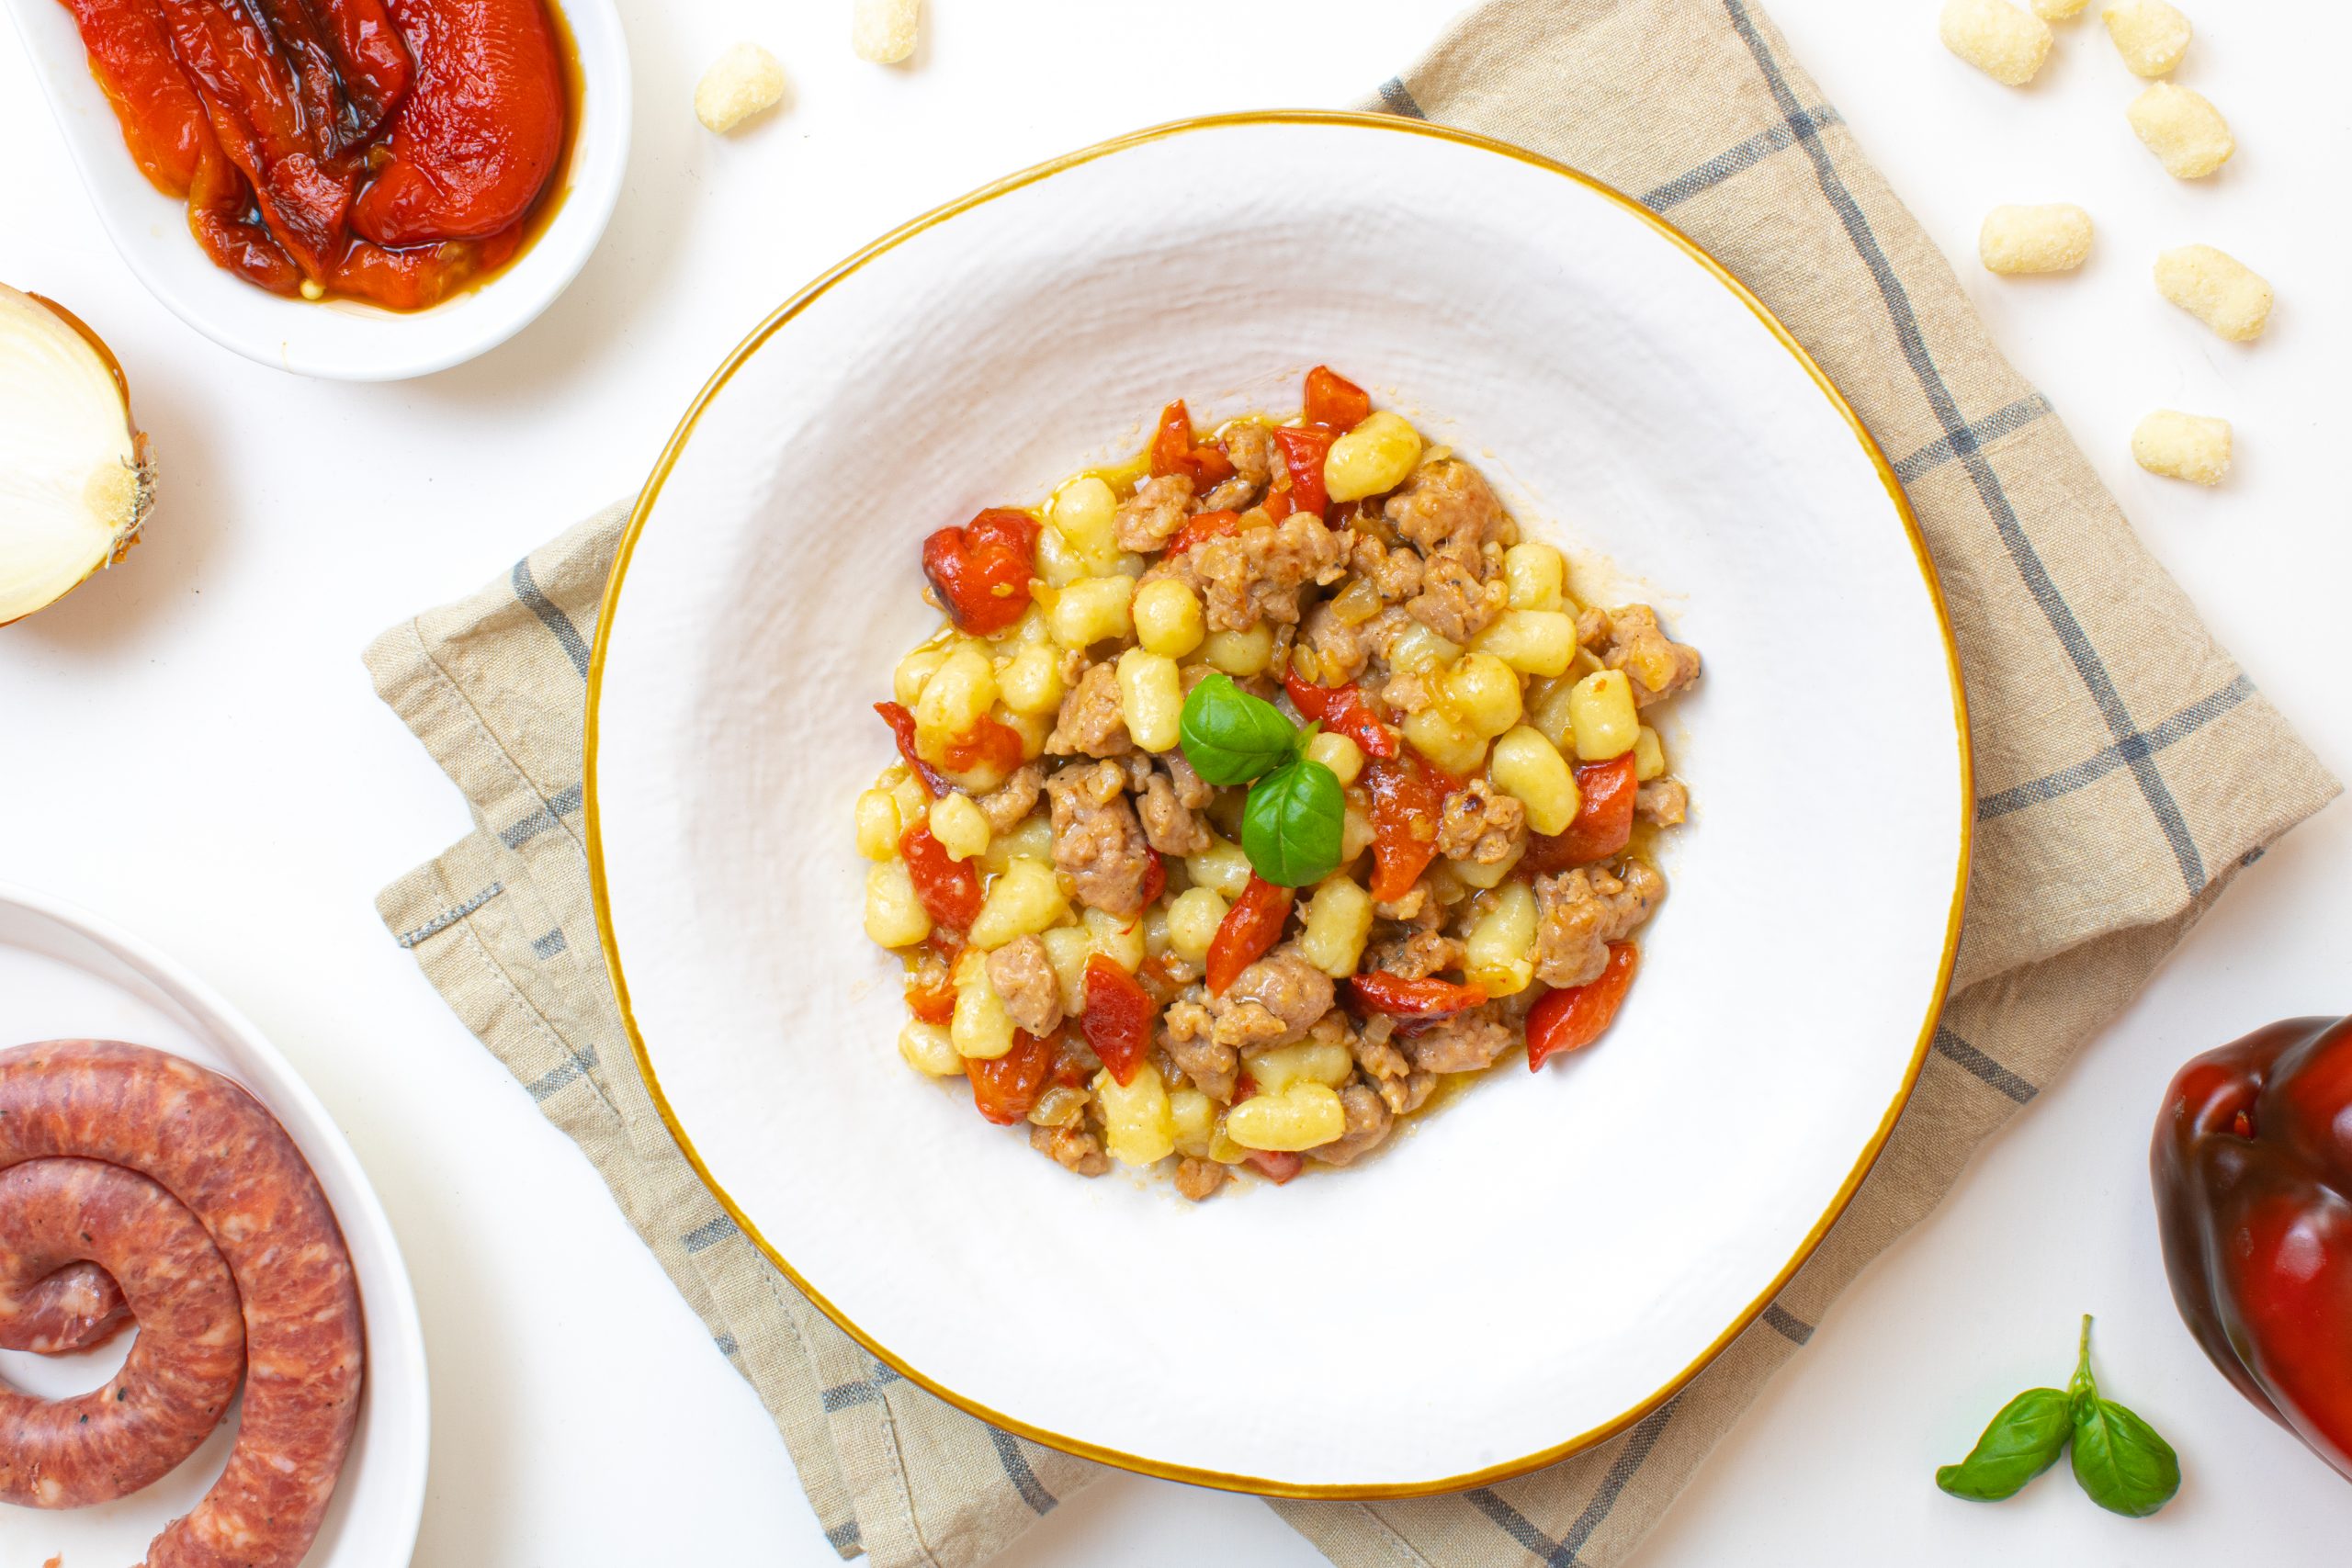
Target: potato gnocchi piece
x,y
2183,446
886,32
2004,41
2052,238
745,81
2187,134
2150,34
2057,10
2217,288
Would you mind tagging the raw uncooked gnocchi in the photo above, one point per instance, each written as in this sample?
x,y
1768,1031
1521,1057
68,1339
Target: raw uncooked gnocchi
x,y
2187,134
2150,34
2054,238
740,84
2004,41
2217,288
2183,446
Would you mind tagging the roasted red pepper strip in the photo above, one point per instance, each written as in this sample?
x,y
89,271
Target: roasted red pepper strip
x,y
1342,710
1572,1018
2253,1168
1206,527
932,1003
1400,997
1604,820
903,726
1277,1165
1407,799
950,889
1304,449
1173,451
991,744
1006,1087
1155,879
1333,401
1118,1017
1248,929
982,571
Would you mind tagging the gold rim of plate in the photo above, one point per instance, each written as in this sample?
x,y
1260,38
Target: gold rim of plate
x,y
600,893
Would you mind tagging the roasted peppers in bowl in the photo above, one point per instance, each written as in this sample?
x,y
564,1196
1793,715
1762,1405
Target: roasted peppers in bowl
x,y
2253,1170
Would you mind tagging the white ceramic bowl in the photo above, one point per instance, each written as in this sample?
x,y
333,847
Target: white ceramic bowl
x,y
340,339
65,974
1550,1256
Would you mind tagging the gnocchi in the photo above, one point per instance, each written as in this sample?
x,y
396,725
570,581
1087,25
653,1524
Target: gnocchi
x,y
2150,34
1024,900
885,31
1603,715
1302,1117
745,81
2005,41
1375,455
2217,288
1138,1123
1151,698
1336,924
2054,238
2187,134
2183,446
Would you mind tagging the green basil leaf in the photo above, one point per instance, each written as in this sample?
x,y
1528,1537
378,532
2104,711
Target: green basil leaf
x,y
1290,824
1231,736
2119,1461
2024,1439
2122,1464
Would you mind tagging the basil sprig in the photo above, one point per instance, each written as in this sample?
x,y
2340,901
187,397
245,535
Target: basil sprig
x,y
1231,736
2118,1461
1290,823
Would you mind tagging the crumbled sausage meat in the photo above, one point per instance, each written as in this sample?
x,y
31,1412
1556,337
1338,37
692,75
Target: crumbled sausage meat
x,y
1156,510
1416,955
1369,1120
1024,977
1447,503
1339,652
1199,1179
1401,1086
1272,1002
1456,602
1251,447
1663,801
1259,573
1092,722
1465,1042
1480,823
1656,665
1006,804
1169,827
1098,844
1581,912
1394,571
1074,1148
1186,1034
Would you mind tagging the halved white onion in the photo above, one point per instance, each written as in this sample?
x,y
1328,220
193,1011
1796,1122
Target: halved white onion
x,y
75,481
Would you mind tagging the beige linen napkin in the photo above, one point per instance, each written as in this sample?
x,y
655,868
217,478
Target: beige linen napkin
x,y
2127,770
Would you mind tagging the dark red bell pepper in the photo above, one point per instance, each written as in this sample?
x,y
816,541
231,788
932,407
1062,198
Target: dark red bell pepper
x,y
2253,1168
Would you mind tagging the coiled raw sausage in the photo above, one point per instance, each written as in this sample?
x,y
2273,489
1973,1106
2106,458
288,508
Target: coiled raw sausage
x,y
210,1145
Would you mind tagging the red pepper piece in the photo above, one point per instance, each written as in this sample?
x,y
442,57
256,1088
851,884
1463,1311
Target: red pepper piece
x,y
1248,929
1342,710
1155,878
1118,1017
1407,799
1604,820
1333,401
1304,449
903,726
932,1003
1573,1018
1201,529
1006,1087
1400,997
2252,1162
982,569
950,889
480,133
1173,451
991,744
1277,1165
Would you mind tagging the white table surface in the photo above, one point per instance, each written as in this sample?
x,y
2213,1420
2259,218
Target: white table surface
x,y
192,748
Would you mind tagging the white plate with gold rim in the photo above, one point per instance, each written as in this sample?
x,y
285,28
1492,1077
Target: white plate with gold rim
x,y
1548,1258
65,974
